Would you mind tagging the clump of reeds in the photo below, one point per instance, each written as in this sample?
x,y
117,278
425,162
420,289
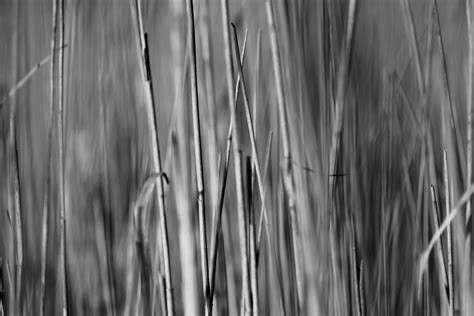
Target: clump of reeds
x,y
311,167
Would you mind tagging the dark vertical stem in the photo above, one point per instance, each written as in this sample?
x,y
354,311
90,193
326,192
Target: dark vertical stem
x,y
47,189
62,224
252,239
237,154
18,224
198,156
160,189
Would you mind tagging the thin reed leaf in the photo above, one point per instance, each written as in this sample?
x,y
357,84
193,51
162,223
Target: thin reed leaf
x,y
217,216
198,158
156,156
434,226
286,167
252,240
47,189
18,224
250,124
60,134
414,44
470,29
28,76
237,154
361,289
449,237
266,166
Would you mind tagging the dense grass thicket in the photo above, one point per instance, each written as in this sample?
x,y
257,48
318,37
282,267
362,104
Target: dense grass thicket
x,y
224,157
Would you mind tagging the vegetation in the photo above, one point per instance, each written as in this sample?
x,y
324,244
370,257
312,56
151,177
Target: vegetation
x,y
207,157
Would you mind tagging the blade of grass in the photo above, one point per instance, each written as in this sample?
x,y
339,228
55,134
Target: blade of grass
x,y
10,285
27,77
448,232
361,289
250,125
260,222
13,180
236,154
256,93
142,244
156,157
469,134
252,246
453,118
198,157
177,153
217,216
435,225
2,313
414,45
110,291
18,223
44,230
356,309
279,84
286,167
251,132
177,149
160,187
207,58
60,132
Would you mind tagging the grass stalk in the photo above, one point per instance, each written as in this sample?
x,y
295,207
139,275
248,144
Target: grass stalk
x,y
333,186
442,277
110,290
46,203
452,113
252,239
25,79
13,183
256,161
10,283
356,309
145,266
414,45
340,93
217,217
198,157
60,132
18,223
287,161
207,58
279,85
160,188
361,289
237,156
212,141
230,268
178,138
448,232
256,93
250,125
260,222
156,158
2,313
469,129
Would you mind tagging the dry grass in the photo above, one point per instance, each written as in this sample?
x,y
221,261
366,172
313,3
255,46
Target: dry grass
x,y
317,157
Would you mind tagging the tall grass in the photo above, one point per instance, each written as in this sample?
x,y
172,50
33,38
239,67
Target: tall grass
x,y
317,157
